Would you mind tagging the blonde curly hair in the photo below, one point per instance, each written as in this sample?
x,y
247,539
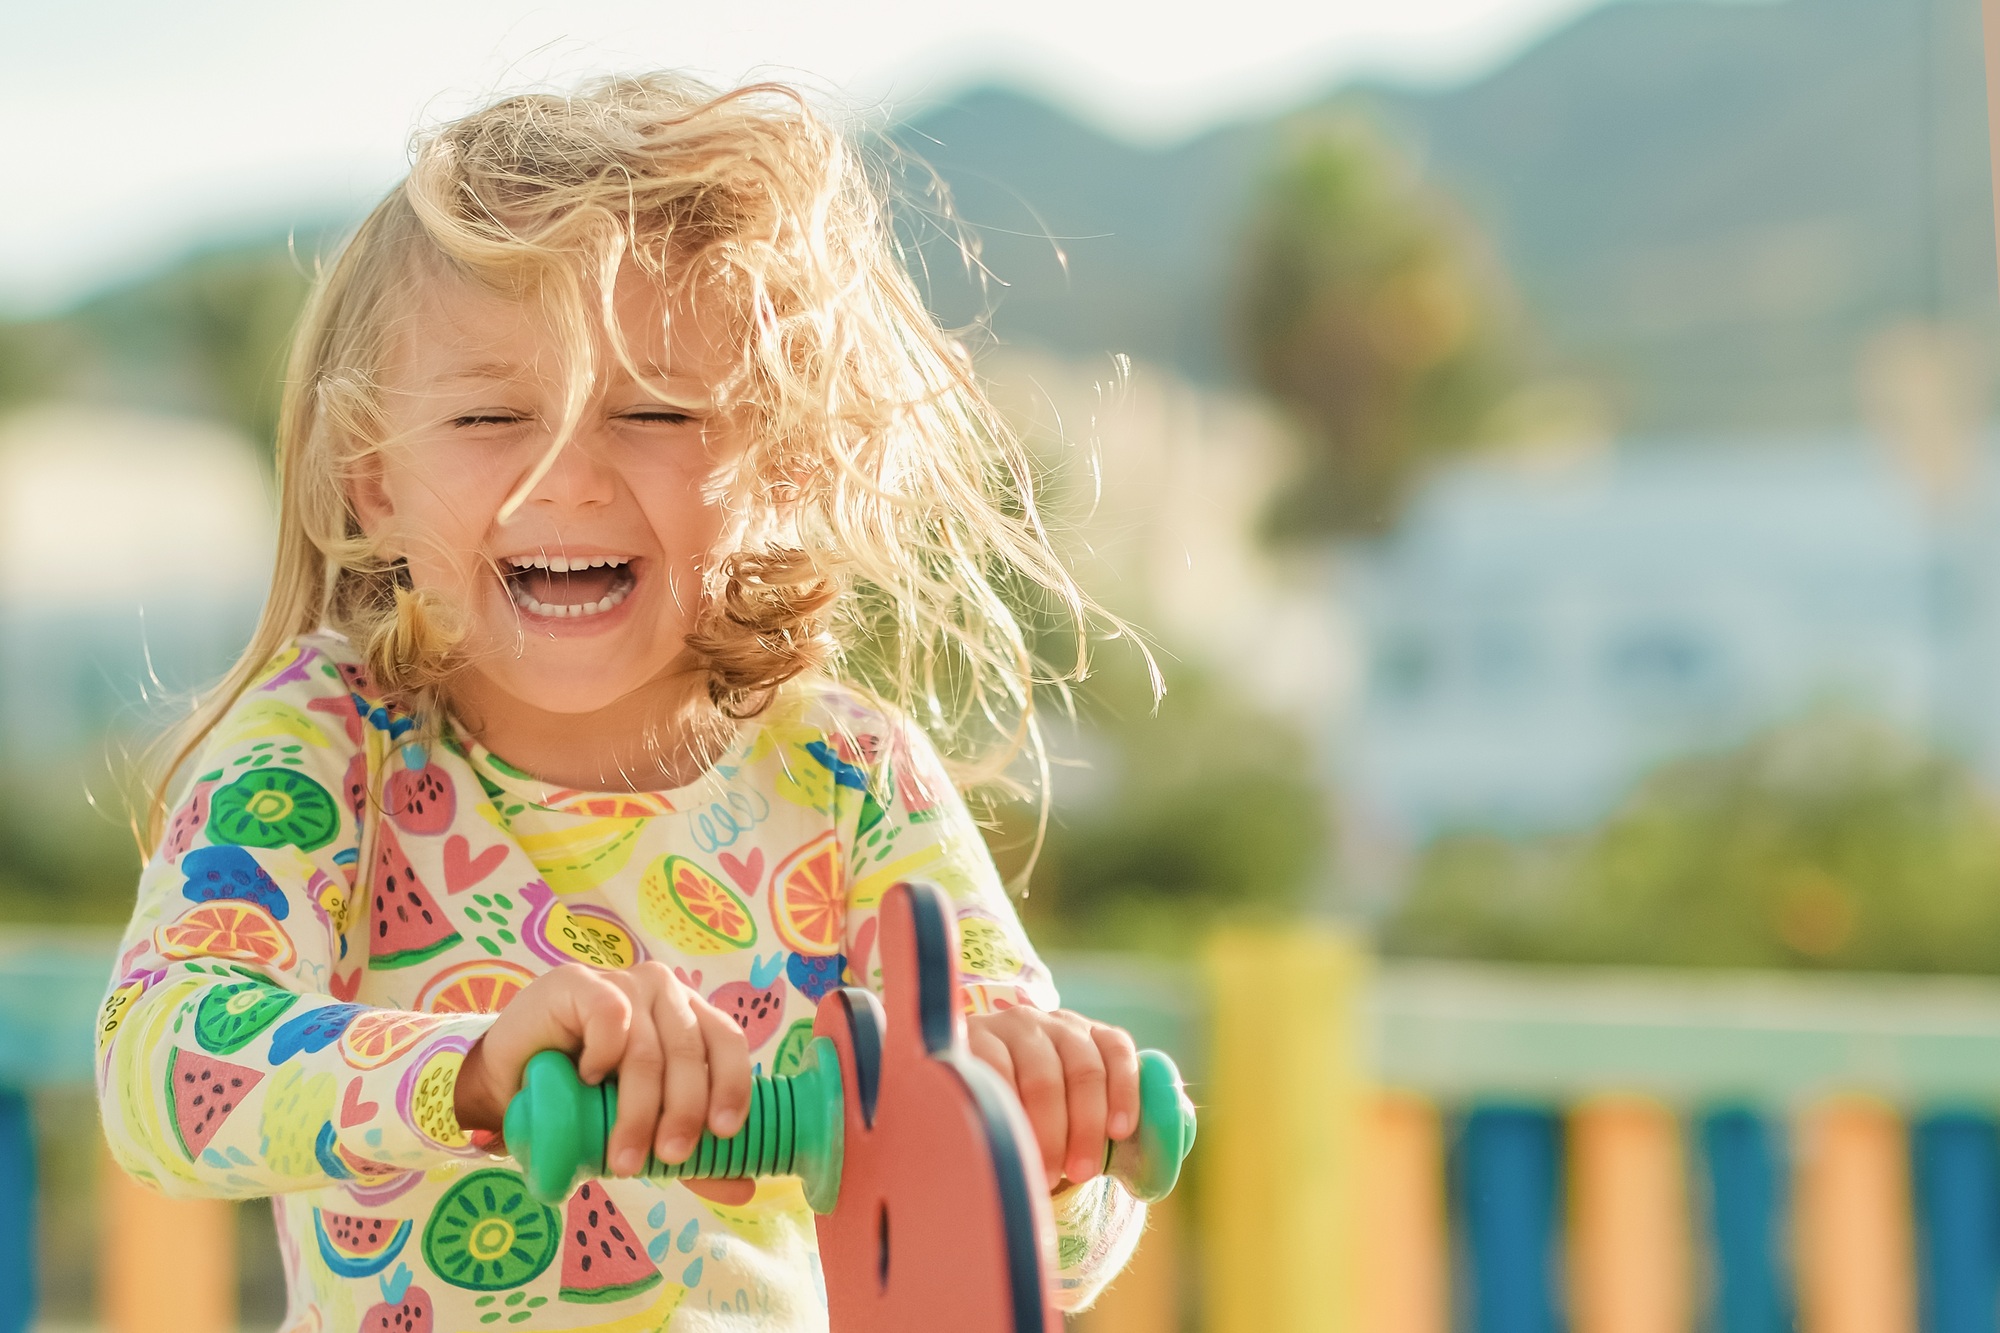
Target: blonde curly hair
x,y
910,531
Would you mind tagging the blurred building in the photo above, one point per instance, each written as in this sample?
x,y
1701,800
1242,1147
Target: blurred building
x,y
1538,636
134,554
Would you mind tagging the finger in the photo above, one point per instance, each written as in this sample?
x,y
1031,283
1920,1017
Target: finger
x,y
994,1052
641,1080
728,1070
598,1013
730,1193
686,1052
1083,1096
1038,1080
1121,1079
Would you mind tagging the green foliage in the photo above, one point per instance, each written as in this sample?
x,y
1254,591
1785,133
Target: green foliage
x,y
215,329
1201,808
29,355
1828,843
1365,315
207,335
61,860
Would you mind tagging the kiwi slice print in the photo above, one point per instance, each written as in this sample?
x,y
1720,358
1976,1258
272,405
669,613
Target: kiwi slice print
x,y
274,807
230,1017
488,1234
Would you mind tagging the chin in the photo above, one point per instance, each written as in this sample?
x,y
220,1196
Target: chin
x,y
568,691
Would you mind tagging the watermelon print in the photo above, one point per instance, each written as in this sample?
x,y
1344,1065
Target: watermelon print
x,y
359,1246
206,1092
407,926
272,1052
231,872
603,1258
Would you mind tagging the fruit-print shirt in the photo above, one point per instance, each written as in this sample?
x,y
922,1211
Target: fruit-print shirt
x,y
335,913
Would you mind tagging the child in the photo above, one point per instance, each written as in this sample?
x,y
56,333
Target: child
x,y
612,433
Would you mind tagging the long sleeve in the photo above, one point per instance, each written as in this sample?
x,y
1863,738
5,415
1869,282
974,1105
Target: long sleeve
x,y
902,819
231,1058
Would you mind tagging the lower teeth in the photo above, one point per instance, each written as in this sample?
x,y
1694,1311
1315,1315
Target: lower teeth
x,y
568,610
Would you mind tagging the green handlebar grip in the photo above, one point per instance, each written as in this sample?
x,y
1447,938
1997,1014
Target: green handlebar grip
x,y
1147,1162
556,1127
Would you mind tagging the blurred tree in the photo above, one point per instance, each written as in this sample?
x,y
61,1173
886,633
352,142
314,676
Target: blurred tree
x,y
24,364
1202,808
208,335
1829,843
63,860
1368,313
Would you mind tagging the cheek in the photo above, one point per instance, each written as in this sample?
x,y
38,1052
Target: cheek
x,y
684,521
440,524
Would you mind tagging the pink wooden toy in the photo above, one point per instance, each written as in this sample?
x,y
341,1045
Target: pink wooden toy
x,y
914,1153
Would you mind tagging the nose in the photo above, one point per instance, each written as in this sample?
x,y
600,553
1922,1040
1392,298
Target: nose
x,y
577,477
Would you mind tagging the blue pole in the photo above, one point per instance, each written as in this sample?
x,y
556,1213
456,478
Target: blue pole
x,y
1509,1177
1958,1221
17,1214
1742,1157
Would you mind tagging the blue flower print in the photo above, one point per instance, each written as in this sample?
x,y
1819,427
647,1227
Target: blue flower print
x,y
226,871
815,976
313,1030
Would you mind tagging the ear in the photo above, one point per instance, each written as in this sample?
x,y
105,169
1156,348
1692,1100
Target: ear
x,y
369,495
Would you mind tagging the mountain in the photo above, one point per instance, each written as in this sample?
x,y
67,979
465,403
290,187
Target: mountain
x,y
1709,207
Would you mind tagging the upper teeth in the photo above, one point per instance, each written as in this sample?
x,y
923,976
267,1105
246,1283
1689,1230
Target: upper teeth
x,y
558,564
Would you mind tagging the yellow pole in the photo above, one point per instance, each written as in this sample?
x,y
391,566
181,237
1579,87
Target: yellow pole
x,y
1281,1117
168,1265
1405,1273
1630,1269
1853,1221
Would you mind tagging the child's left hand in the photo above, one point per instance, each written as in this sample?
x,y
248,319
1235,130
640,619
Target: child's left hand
x,y
1078,1081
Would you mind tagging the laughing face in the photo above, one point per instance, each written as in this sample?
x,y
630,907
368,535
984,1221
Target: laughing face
x,y
579,602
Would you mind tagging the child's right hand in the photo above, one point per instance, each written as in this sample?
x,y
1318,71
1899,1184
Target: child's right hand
x,y
680,1062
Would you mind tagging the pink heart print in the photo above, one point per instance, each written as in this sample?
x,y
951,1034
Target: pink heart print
x,y
748,873
462,870
352,1109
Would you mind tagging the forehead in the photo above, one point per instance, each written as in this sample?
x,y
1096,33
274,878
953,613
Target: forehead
x,y
453,328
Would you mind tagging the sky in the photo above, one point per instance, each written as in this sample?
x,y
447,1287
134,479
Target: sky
x,y
138,129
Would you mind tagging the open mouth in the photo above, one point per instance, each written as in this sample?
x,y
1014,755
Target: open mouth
x,y
569,587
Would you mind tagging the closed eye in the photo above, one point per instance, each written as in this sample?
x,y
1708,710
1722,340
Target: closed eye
x,y
489,419
659,416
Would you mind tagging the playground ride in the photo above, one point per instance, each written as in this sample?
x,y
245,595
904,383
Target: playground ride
x,y
914,1154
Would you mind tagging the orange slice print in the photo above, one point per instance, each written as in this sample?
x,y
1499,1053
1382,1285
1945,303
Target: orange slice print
x,y
610,805
808,897
692,909
231,928
482,986
380,1035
